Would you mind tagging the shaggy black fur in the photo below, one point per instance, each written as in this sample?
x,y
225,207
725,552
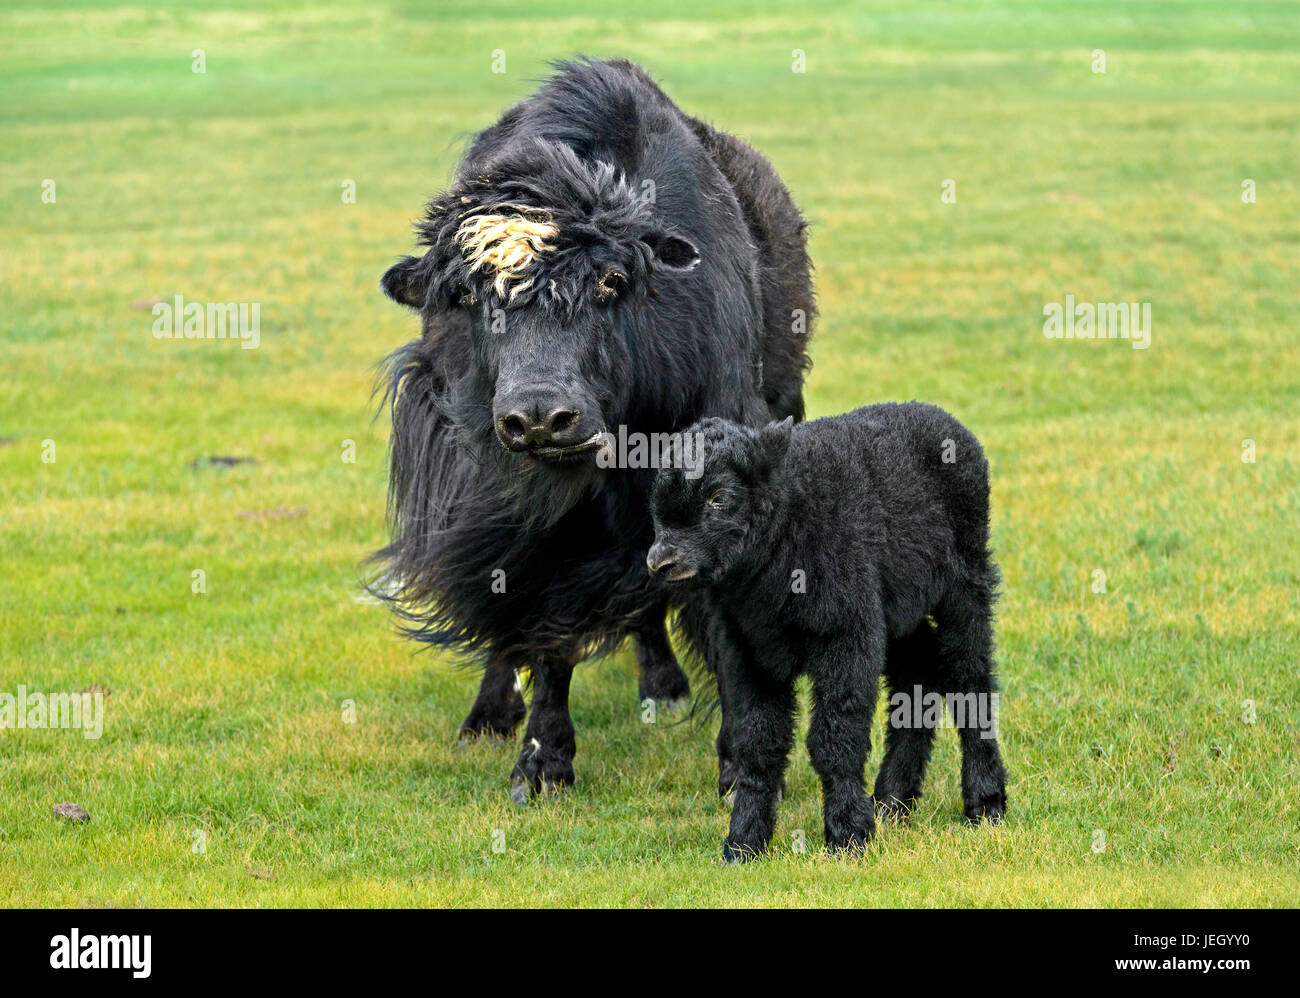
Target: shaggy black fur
x,y
843,548
669,293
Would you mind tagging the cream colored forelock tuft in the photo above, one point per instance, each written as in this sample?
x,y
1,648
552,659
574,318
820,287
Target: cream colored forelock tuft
x,y
508,244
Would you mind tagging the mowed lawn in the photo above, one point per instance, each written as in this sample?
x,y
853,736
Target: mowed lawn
x,y
1151,729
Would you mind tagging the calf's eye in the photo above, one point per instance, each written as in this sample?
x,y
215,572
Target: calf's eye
x,y
719,499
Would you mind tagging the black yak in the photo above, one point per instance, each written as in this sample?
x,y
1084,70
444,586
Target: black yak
x,y
843,548
601,262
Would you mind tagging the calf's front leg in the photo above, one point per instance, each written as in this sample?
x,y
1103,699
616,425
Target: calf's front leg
x,y
761,709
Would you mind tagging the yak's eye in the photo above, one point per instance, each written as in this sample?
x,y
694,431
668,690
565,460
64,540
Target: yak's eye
x,y
719,499
466,296
609,286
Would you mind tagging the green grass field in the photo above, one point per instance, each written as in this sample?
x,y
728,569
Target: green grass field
x,y
1140,775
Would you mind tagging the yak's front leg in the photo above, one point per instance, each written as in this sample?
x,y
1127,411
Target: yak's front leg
x,y
499,707
545,762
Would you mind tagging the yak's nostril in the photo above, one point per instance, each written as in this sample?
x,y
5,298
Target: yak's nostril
x,y
534,424
562,420
513,427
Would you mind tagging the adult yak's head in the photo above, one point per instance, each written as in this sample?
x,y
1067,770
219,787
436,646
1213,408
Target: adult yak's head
x,y
601,281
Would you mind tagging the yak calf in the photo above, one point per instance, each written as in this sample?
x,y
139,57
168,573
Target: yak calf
x,y
841,548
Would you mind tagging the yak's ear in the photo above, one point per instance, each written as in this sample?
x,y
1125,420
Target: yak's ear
x,y
673,252
774,441
407,282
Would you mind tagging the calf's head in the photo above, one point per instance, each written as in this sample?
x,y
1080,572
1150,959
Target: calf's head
x,y
705,525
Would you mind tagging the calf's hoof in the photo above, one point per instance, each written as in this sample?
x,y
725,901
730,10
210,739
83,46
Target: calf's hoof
x,y
991,808
733,854
851,844
849,826
540,772
893,807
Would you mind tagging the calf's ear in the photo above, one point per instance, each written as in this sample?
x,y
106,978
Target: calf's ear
x,y
407,282
774,441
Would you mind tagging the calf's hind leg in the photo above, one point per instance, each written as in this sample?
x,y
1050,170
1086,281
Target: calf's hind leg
x,y
965,632
912,669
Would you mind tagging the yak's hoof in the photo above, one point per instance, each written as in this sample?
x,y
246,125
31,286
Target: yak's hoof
x,y
467,737
540,771
664,686
522,793
667,705
498,724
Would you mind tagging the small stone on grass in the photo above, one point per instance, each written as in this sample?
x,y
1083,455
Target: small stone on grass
x,y
72,812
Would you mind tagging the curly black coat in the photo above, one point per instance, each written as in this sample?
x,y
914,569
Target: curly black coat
x,y
842,548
